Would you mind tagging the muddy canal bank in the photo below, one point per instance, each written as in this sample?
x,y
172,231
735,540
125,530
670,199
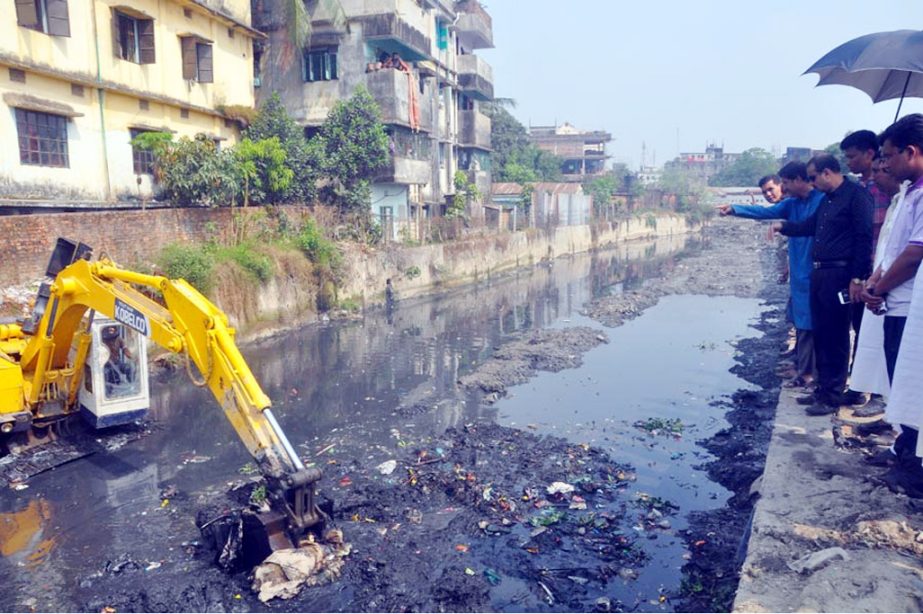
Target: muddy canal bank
x,y
446,503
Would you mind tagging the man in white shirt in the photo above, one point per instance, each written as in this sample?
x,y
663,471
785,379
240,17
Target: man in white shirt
x,y
890,288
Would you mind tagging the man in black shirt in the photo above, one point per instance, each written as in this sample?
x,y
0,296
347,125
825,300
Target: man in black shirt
x,y
842,229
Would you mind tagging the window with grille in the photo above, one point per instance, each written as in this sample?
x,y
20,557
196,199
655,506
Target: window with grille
x,y
320,64
42,138
48,16
197,60
142,159
133,38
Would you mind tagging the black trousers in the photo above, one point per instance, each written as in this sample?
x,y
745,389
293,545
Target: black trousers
x,y
831,322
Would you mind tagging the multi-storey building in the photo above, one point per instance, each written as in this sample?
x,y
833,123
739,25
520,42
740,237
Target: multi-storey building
x,y
80,78
799,154
583,152
415,59
703,165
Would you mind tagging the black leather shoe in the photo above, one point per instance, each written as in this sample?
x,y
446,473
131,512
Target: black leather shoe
x,y
879,427
855,398
882,458
810,399
901,481
821,409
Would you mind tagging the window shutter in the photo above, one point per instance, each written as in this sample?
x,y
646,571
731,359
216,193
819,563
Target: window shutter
x,y
26,13
116,38
189,57
146,41
58,21
204,54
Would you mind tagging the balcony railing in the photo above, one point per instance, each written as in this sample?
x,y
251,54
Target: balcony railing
x,y
407,171
473,129
475,77
391,90
474,25
392,34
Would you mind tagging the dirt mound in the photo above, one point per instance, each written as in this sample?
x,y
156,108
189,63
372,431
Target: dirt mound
x,y
542,350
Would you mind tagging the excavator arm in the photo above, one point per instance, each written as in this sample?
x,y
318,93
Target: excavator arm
x,y
190,325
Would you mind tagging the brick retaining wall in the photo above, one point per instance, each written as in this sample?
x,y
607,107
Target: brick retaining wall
x,y
128,237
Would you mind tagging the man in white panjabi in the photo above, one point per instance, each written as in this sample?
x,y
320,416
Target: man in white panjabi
x,y
892,288
870,371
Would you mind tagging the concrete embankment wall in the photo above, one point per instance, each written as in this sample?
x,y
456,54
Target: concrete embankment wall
x,y
419,270
133,238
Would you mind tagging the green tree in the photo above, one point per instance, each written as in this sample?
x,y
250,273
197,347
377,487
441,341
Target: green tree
x,y
687,186
465,193
747,169
519,173
355,148
513,156
301,156
602,189
193,171
262,168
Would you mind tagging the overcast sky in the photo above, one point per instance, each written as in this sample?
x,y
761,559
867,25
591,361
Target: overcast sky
x,y
679,74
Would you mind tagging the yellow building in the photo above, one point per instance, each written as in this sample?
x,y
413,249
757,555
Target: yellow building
x,y
80,78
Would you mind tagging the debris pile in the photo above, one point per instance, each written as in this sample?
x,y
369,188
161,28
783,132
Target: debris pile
x,y
543,350
487,504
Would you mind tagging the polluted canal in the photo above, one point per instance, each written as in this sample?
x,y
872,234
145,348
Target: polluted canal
x,y
578,436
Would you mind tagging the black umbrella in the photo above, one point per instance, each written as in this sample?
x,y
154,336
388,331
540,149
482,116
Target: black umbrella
x,y
884,65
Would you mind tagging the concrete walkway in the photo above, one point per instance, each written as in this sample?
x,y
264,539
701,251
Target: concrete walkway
x,y
821,499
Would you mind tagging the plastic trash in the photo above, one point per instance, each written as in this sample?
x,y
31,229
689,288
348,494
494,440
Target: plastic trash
x,y
559,488
387,467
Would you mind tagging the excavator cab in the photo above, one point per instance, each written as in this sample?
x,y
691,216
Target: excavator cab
x,y
115,388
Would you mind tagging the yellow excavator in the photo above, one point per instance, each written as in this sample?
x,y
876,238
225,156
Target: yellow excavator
x,y
84,351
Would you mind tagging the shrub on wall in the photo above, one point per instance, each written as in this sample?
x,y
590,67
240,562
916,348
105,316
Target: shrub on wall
x,y
190,262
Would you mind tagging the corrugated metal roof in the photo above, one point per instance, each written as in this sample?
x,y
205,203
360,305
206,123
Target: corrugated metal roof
x,y
559,188
510,189
505,189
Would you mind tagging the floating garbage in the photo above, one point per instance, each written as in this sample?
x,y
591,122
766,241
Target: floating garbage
x,y
285,572
387,467
559,488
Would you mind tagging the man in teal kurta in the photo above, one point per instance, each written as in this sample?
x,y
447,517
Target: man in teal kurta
x,y
801,203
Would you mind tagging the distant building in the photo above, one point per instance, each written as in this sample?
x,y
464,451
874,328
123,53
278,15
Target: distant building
x,y
80,78
649,175
799,154
552,204
583,152
703,164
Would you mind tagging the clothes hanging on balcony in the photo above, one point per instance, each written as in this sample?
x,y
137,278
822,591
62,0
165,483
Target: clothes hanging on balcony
x,y
414,110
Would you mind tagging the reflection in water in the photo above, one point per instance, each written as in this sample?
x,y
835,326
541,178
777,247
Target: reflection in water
x,y
357,385
22,532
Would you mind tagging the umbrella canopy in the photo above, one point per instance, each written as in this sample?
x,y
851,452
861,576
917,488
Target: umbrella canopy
x,y
884,65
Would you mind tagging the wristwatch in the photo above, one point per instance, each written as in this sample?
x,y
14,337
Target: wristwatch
x,y
856,280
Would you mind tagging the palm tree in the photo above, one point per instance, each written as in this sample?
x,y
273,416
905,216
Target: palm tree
x,y
296,16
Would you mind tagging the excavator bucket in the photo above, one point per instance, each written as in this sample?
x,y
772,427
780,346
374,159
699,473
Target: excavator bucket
x,y
244,537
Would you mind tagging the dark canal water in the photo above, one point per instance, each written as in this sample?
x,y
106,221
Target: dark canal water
x,y
343,383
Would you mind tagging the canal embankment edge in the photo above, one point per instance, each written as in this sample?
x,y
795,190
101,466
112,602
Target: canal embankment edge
x,y
826,535
421,270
